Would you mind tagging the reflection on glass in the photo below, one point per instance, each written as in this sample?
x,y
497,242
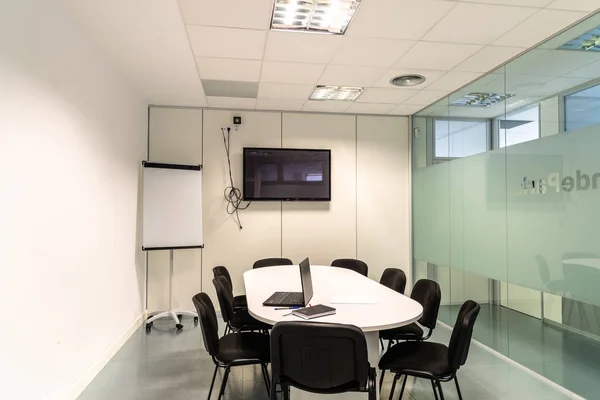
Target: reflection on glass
x,y
520,127
460,138
582,108
505,208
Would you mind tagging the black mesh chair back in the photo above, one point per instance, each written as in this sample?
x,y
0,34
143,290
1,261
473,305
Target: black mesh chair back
x,y
350,263
222,271
394,279
460,341
225,296
429,295
272,262
208,322
320,357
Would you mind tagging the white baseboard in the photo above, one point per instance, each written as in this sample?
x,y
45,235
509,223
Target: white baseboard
x,y
95,369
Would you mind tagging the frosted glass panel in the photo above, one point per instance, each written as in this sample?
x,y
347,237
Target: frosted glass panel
x,y
430,209
484,204
553,198
506,200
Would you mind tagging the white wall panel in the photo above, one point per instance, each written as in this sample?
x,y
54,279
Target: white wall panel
x,y
175,137
260,237
323,231
383,193
72,138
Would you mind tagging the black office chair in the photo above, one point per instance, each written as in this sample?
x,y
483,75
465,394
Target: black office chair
x,y
272,262
350,263
320,358
394,278
433,361
235,320
239,302
429,295
232,350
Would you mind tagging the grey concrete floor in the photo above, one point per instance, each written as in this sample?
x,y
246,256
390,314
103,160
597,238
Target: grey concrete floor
x,y
175,366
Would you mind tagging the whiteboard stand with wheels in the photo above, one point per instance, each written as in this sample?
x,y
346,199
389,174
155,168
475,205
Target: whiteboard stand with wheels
x,y
172,219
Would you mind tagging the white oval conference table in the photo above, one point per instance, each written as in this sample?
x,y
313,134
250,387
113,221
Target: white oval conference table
x,y
357,299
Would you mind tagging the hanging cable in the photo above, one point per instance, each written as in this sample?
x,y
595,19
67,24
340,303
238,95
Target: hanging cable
x,y
233,195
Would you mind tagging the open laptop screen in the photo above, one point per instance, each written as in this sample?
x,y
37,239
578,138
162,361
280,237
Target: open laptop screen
x,y
305,277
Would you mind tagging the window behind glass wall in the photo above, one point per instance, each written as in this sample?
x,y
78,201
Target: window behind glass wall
x,y
582,108
460,138
519,127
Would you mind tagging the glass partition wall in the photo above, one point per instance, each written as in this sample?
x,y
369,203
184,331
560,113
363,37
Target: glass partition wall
x,y
506,206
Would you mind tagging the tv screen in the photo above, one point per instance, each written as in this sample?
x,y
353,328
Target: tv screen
x,y
287,174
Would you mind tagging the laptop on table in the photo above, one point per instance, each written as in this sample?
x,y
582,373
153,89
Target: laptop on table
x,y
294,299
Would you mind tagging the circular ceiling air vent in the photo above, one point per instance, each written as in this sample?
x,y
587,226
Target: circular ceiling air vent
x,y
407,80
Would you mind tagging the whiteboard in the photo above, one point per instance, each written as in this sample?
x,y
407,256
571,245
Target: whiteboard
x,y
172,206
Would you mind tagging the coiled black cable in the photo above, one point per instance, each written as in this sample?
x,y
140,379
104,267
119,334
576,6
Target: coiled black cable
x,y
232,194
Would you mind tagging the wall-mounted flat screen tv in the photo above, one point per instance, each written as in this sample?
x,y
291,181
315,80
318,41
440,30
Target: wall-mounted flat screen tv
x,y
287,174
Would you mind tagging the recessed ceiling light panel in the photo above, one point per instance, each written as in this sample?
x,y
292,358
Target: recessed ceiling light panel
x,y
407,80
324,16
339,93
589,41
481,99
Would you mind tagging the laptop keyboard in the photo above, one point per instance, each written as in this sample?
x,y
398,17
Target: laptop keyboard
x,y
289,298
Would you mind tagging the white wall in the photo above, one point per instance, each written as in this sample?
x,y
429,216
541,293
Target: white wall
x,y
367,217
72,135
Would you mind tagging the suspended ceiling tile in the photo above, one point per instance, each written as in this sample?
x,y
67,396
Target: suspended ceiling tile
x,y
395,19
284,91
575,5
426,97
344,75
477,23
520,3
381,95
453,80
370,52
285,72
254,14
488,58
438,56
228,69
210,41
301,47
539,27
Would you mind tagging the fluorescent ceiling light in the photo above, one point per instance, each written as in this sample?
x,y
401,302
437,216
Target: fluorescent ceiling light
x,y
481,99
325,16
339,93
589,41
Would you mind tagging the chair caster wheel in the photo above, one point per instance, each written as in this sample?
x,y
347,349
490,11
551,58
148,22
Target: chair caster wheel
x,y
149,327
179,327
180,316
196,320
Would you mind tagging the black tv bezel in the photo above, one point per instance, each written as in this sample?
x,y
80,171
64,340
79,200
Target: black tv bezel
x,y
311,199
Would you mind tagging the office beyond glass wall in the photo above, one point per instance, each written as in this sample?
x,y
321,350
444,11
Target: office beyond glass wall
x,y
506,206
